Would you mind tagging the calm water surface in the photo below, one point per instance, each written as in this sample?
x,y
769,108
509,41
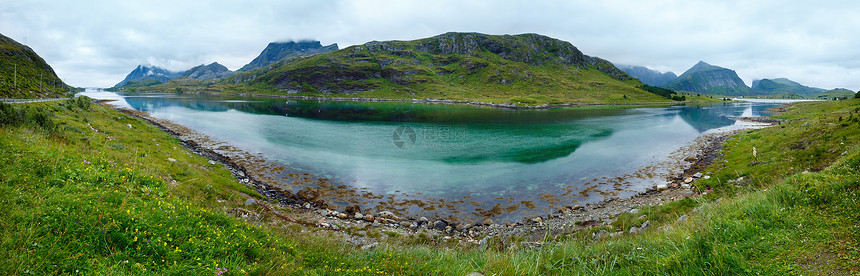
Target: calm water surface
x,y
449,160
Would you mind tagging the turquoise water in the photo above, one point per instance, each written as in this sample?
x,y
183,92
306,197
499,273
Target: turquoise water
x,y
460,161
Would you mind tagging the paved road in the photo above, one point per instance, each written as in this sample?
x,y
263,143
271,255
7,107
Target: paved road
x,y
31,100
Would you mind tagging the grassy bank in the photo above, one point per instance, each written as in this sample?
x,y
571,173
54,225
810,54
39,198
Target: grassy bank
x,y
89,190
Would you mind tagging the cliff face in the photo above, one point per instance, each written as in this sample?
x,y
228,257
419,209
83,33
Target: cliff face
x,y
24,74
709,79
470,62
648,76
276,51
149,75
208,72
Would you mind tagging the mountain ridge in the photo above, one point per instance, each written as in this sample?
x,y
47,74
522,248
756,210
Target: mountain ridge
x,y
647,76
454,66
207,72
276,51
710,79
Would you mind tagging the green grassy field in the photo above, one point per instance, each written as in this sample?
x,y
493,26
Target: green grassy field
x,y
89,190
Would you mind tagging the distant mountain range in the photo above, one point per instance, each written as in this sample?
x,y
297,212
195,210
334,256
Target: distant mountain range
x,y
24,74
709,79
275,51
647,76
461,66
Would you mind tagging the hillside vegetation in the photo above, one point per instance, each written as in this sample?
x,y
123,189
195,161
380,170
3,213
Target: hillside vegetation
x,y
25,75
89,190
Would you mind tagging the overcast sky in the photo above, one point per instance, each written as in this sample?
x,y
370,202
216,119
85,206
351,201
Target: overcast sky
x,y
96,43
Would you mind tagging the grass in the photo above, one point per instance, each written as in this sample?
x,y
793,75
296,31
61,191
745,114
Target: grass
x,y
88,190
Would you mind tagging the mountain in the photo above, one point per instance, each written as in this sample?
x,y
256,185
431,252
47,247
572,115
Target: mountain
x,y
276,51
525,68
782,86
835,93
710,79
647,76
24,74
208,72
146,75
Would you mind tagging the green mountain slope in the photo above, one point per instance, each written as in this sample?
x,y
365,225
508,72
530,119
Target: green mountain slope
x,y
782,86
710,79
525,69
835,93
24,74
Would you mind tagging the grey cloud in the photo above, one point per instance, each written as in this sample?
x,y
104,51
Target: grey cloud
x,y
98,43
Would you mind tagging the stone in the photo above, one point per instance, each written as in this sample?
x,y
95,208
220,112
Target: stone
x,y
697,175
368,246
388,215
662,187
688,180
358,216
537,220
250,201
681,219
171,159
686,186
600,234
307,205
707,177
440,224
487,221
634,210
616,234
463,226
645,217
376,224
482,245
475,274
341,215
577,207
368,218
324,212
646,224
405,224
352,209
634,230
423,220
414,225
212,162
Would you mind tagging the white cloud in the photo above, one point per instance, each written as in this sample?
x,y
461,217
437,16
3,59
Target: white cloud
x,y
98,43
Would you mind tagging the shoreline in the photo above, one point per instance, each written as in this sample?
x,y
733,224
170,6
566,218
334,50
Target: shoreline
x,y
436,101
566,220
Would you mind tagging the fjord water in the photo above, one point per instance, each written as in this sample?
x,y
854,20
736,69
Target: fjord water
x,y
446,160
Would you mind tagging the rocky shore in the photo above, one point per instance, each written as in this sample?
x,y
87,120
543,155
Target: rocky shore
x,y
354,226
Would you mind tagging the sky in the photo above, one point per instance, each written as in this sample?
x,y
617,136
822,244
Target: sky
x,y
96,43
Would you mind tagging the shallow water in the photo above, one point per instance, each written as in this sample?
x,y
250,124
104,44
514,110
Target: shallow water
x,y
443,160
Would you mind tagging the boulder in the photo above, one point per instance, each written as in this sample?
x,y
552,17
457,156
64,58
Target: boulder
x,y
352,209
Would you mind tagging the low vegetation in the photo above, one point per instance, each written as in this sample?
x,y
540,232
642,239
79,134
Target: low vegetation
x,y
89,190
